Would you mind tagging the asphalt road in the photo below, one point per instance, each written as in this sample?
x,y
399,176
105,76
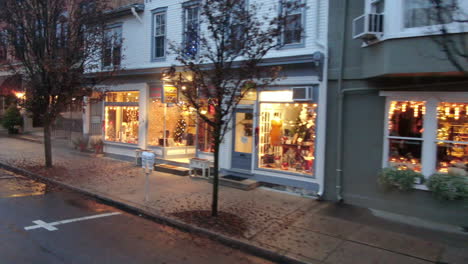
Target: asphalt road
x,y
95,233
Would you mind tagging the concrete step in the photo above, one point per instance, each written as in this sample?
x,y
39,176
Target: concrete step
x,y
170,162
181,171
236,182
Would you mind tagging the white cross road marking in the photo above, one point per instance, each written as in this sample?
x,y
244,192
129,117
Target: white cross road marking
x,y
42,224
51,226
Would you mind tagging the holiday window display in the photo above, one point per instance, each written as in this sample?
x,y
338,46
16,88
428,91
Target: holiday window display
x,y
452,136
287,137
405,120
122,122
170,125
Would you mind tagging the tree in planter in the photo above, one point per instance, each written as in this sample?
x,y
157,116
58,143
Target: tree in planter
x,y
220,60
12,119
55,43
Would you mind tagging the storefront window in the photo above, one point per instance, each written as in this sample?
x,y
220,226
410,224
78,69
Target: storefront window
x,y
428,143
452,138
287,137
121,117
122,97
405,125
171,125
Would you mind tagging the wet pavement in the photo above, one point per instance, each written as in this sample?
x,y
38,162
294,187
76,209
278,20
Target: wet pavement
x,y
92,232
298,227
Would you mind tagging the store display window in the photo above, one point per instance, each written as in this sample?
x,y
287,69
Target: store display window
x,y
405,127
121,117
287,133
171,125
452,138
428,136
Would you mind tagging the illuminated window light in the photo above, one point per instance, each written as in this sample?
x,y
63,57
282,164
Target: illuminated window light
x,y
276,96
457,113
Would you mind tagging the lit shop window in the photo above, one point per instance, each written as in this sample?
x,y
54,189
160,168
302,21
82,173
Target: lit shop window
x,y
287,137
405,124
171,125
121,117
452,138
122,97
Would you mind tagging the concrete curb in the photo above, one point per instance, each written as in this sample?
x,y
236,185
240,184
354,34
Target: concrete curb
x,y
29,139
133,209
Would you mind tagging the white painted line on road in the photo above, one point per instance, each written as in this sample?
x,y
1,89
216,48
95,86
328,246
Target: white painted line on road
x,y
51,226
42,224
7,177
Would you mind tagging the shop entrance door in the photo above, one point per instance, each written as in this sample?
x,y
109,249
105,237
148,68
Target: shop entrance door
x,y
242,139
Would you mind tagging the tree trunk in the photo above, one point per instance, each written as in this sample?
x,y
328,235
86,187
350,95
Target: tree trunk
x,y
47,145
214,201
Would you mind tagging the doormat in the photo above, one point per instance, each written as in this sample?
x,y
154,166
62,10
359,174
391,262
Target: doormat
x,y
234,178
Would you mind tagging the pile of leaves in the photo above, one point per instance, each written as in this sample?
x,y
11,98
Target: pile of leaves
x,y
225,223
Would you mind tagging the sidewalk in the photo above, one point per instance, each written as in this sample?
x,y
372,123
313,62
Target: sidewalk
x,y
297,227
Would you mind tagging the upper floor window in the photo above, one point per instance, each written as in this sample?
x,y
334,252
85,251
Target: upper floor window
x,y
377,6
112,50
421,13
3,45
293,26
159,34
237,26
191,29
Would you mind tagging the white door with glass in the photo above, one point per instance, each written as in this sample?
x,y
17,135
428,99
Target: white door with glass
x,y
243,139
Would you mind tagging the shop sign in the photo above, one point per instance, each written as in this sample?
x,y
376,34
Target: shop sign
x,y
170,94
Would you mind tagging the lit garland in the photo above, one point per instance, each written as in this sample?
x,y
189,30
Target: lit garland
x,y
451,110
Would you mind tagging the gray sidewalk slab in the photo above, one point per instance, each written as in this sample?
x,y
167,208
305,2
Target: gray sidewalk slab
x,y
302,228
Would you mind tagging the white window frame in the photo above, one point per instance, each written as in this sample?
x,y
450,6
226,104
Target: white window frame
x,y
394,22
155,14
430,125
186,23
302,12
116,30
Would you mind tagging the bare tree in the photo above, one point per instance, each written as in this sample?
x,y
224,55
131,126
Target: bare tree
x,y
220,60
454,46
56,43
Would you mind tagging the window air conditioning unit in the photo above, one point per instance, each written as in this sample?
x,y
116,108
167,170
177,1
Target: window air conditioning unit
x,y
368,26
303,93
